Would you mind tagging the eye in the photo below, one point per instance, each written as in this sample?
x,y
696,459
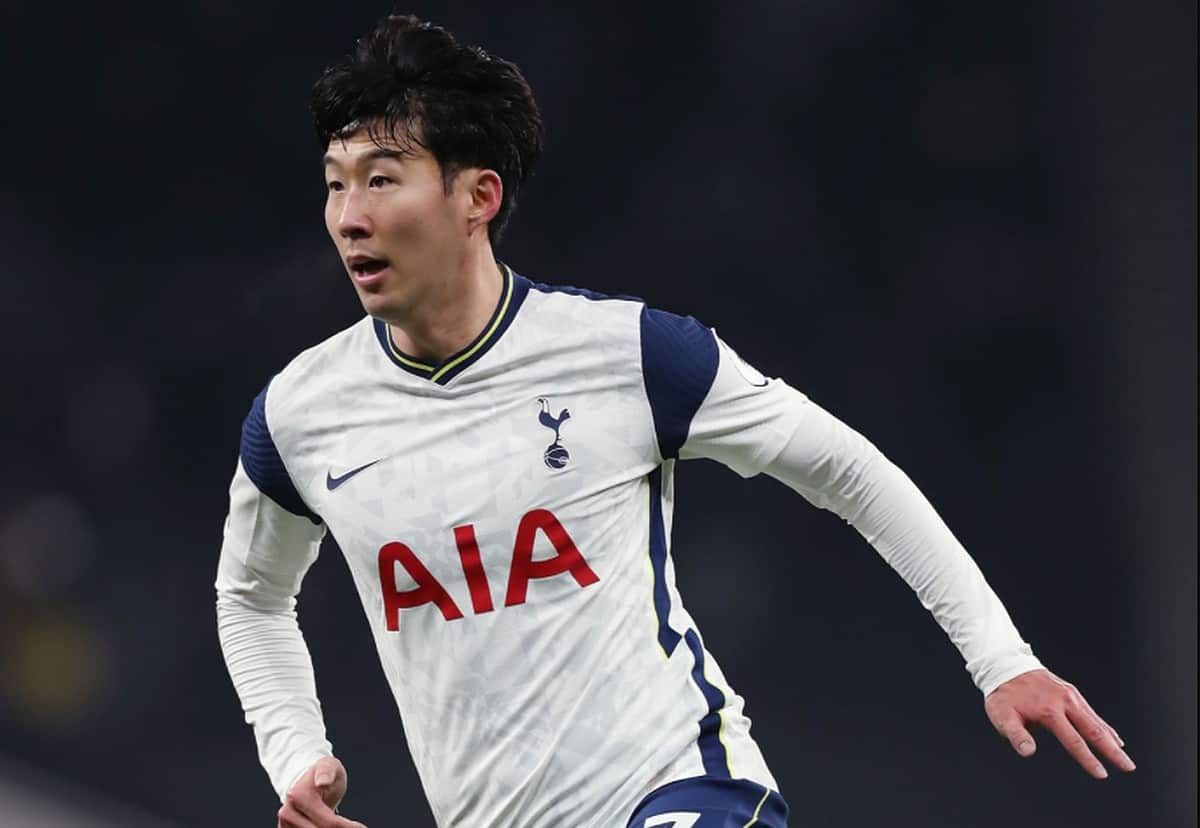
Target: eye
x,y
335,186
379,181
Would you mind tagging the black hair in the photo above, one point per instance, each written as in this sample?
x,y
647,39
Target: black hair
x,y
409,82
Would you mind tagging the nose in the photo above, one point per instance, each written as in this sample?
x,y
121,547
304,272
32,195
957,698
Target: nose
x,y
354,222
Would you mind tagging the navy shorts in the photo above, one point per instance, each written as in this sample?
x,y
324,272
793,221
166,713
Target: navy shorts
x,y
703,802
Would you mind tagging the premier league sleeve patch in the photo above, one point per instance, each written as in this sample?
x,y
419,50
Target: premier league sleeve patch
x,y
749,373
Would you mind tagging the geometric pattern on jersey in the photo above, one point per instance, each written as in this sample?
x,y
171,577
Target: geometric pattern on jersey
x,y
551,697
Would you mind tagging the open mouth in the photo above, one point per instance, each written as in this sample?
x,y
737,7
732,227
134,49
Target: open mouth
x,y
368,267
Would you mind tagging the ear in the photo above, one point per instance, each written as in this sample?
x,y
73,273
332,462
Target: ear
x,y
485,194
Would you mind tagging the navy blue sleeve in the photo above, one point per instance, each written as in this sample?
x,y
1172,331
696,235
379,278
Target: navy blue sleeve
x,y
263,464
679,364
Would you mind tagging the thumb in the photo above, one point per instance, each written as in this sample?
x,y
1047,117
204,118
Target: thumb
x,y
1012,727
329,775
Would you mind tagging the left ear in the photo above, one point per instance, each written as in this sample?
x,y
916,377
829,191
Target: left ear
x,y
485,193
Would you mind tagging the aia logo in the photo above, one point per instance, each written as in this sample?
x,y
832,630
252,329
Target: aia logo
x,y
556,454
429,590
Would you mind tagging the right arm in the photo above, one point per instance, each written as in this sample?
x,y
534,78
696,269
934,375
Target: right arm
x,y
271,538
264,555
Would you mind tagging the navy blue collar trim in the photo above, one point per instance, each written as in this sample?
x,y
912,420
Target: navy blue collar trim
x,y
513,294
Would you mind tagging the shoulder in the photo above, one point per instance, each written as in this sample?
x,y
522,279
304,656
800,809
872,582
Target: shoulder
x,y
317,371
579,331
276,414
679,364
658,328
654,331
567,302
668,337
300,394
673,358
673,350
326,357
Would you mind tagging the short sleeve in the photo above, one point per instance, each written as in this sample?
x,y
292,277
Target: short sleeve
x,y
263,464
708,402
271,537
679,361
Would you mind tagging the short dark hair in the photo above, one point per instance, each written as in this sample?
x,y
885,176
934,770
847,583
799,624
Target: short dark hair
x,y
411,82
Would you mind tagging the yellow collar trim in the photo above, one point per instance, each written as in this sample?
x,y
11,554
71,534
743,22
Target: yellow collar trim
x,y
437,373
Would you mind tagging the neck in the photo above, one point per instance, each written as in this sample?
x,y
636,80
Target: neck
x,y
457,314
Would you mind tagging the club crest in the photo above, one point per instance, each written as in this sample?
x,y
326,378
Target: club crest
x,y
556,454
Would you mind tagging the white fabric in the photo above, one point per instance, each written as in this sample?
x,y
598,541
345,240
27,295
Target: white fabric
x,y
838,469
562,709
264,556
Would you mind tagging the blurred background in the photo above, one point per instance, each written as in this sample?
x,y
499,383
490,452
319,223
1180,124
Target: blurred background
x,y
968,230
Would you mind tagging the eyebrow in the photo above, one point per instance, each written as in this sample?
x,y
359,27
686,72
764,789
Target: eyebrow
x,y
370,155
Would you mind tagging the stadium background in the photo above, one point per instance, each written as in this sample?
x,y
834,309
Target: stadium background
x,y
969,232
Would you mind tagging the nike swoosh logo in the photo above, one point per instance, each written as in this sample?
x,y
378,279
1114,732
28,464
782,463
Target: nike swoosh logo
x,y
332,482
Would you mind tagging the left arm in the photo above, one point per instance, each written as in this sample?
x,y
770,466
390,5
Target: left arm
x,y
709,403
836,468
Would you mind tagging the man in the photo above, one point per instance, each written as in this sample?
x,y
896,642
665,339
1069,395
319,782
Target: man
x,y
495,458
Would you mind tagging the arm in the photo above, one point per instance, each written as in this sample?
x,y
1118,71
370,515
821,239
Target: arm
x,y
270,541
836,468
264,555
755,425
721,408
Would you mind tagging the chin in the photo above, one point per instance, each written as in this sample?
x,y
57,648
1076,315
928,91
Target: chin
x,y
381,305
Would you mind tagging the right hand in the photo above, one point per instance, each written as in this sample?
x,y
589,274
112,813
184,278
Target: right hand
x,y
310,802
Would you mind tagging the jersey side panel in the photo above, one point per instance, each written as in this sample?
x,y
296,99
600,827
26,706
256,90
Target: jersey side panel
x,y
681,363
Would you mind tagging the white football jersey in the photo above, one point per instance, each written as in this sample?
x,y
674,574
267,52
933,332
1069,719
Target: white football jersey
x,y
506,517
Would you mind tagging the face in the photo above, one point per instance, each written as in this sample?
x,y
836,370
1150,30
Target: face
x,y
397,229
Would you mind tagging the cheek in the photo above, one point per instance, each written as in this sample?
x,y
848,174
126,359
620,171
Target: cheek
x,y
416,214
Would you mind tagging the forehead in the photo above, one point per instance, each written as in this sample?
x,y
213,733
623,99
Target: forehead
x,y
359,147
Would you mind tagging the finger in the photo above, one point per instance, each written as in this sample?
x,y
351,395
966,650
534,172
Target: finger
x,y
1075,744
329,777
1110,728
1093,729
308,803
1010,725
337,821
332,795
289,817
327,770
318,813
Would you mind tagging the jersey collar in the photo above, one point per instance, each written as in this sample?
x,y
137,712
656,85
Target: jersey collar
x,y
511,296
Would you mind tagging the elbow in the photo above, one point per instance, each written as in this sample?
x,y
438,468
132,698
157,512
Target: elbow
x,y
231,600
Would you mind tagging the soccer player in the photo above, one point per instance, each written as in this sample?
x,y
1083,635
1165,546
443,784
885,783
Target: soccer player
x,y
496,460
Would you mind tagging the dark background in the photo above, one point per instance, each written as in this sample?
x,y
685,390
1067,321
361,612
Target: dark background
x,y
969,232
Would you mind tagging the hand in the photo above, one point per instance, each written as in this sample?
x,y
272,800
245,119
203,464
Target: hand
x,y
311,801
1040,698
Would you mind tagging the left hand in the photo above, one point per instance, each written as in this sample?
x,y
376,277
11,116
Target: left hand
x,y
1040,698
311,801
